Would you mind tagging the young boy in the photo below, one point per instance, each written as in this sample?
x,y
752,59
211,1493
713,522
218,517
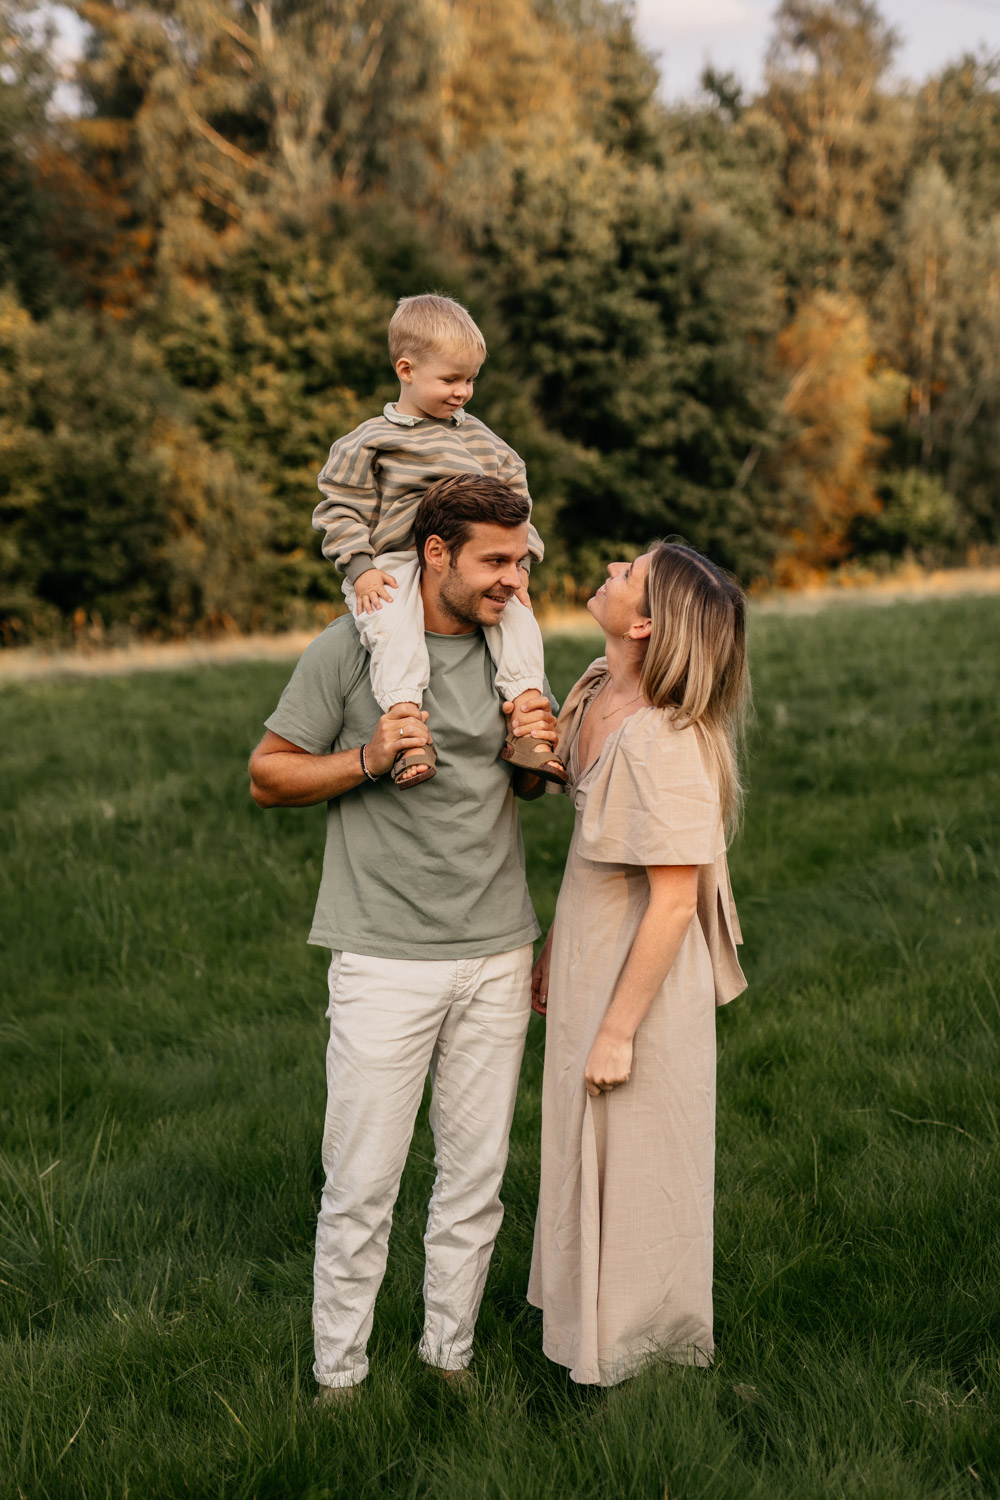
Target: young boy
x,y
373,482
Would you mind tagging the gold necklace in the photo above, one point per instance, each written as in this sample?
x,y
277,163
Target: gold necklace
x,y
620,706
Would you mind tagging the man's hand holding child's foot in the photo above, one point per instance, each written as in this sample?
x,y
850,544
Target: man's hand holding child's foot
x,y
531,735
402,745
370,588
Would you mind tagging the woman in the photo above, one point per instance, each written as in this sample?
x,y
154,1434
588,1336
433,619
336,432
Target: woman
x,y
642,949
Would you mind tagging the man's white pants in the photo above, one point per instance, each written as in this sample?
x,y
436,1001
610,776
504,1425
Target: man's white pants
x,y
391,1020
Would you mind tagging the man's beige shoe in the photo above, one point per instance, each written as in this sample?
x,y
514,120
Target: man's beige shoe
x,y
335,1395
456,1380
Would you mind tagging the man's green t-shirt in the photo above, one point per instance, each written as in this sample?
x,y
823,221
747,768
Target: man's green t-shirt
x,y
435,871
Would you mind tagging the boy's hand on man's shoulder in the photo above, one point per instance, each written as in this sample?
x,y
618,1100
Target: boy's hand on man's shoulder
x,y
370,588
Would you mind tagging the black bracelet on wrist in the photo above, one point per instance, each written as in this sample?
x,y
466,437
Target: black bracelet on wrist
x,y
364,765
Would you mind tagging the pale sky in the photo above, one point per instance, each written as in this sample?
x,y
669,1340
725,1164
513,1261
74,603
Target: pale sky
x,y
734,34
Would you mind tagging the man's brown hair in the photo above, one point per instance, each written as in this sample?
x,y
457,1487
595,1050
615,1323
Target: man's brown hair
x,y
452,507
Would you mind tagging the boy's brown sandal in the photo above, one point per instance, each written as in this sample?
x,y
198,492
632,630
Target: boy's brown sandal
x,y
536,756
425,756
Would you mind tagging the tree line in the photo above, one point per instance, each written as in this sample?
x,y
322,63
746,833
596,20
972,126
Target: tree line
x,y
769,323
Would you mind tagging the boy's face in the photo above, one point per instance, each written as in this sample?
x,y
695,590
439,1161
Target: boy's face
x,y
436,385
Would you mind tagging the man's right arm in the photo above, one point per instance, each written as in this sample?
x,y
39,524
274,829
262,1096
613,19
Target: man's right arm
x,y
284,775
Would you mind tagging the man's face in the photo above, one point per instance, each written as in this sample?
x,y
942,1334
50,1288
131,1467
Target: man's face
x,y
475,587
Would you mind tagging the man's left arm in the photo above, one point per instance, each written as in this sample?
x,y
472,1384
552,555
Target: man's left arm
x,y
533,716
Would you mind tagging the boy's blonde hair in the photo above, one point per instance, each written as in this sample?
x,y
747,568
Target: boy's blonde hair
x,y
429,324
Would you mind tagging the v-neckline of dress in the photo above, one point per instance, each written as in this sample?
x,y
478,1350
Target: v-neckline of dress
x,y
575,755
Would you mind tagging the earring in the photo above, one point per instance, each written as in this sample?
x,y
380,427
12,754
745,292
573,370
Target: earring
x,y
627,636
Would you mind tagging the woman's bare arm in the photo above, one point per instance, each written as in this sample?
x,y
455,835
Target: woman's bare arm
x,y
673,902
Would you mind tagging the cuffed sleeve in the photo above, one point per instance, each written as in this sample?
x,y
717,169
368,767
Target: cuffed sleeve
x,y
359,563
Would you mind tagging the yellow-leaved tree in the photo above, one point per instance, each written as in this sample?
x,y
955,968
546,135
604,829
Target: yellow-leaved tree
x,y
834,397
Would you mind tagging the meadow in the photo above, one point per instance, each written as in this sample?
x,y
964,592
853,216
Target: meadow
x,y
161,1094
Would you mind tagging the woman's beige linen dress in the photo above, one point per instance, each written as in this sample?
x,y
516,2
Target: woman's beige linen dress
x,y
622,1263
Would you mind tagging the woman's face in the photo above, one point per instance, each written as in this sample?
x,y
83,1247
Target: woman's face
x,y
618,603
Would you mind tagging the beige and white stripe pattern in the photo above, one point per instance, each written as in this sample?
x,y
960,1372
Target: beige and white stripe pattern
x,y
376,476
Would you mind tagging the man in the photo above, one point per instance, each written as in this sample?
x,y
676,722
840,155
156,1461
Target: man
x,y
424,905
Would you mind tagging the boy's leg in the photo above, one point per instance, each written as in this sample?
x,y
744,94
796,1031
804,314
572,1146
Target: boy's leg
x,y
474,1072
516,647
385,1015
393,636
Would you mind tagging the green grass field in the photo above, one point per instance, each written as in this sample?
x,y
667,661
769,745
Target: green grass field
x,y
161,1094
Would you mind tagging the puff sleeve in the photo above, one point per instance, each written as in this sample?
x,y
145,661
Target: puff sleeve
x,y
653,801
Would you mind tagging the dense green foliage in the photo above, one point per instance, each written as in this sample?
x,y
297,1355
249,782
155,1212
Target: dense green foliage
x,y
161,1096
110,494
753,321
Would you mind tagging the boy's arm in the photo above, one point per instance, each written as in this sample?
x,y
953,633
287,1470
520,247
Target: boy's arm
x,y
350,505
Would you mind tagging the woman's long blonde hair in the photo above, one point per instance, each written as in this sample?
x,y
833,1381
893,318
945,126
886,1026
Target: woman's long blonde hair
x,y
696,661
